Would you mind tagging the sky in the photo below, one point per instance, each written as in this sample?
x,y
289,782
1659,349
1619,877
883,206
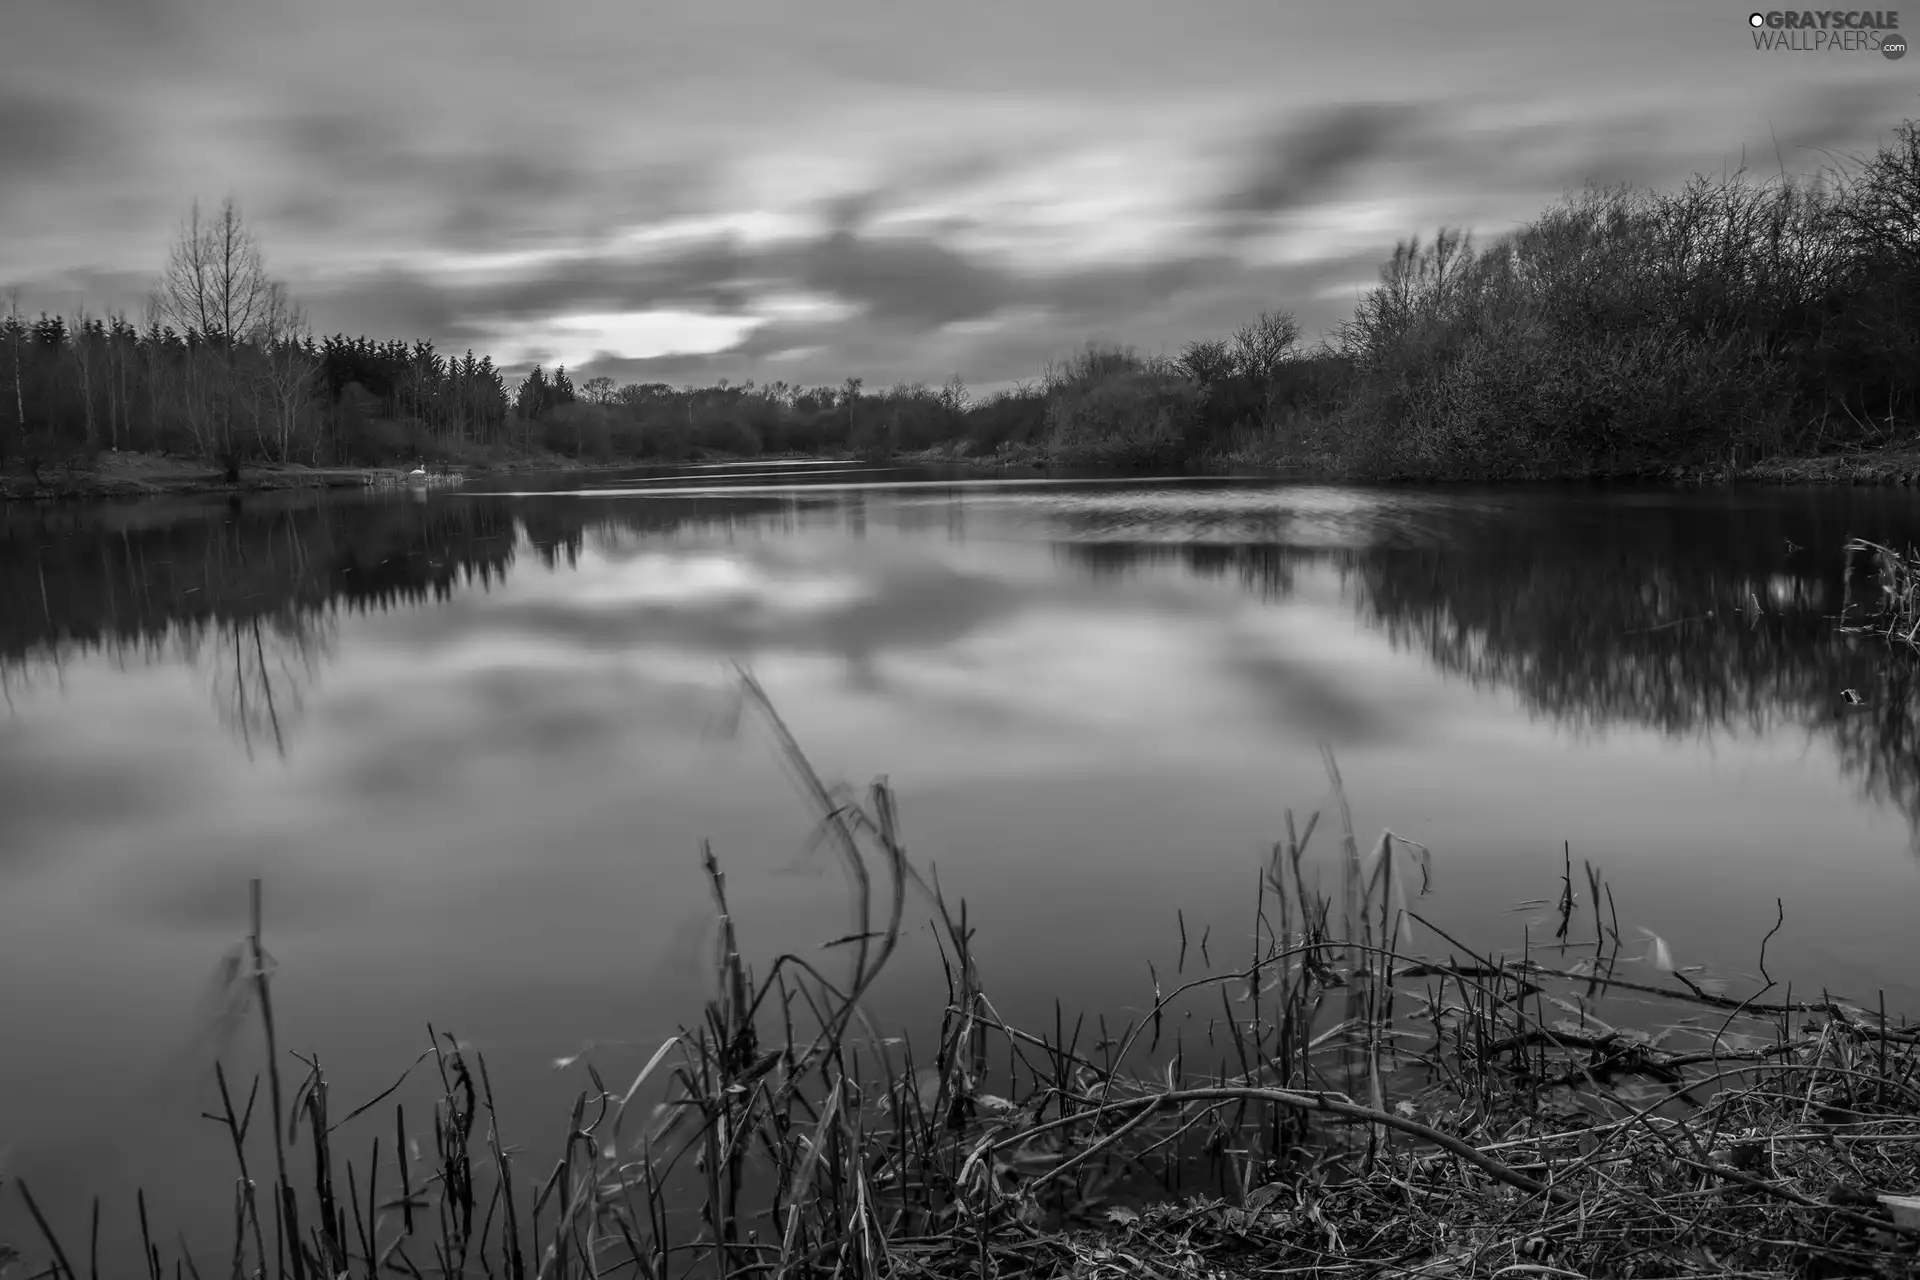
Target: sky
x,y
886,189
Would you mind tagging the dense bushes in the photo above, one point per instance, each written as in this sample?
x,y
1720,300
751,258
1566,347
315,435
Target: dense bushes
x,y
1626,330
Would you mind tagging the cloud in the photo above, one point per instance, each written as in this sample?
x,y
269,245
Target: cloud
x,y
1833,121
461,187
1306,161
48,33
98,290
43,137
901,305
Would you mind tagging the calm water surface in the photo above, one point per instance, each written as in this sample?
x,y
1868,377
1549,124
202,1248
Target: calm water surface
x,y
472,739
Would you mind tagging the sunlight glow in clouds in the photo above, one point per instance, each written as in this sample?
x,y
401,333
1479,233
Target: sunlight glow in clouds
x,y
795,305
573,340
750,227
1085,206
1334,231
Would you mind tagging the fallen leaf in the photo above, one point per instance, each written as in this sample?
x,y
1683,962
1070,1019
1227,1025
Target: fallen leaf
x,y
1261,1197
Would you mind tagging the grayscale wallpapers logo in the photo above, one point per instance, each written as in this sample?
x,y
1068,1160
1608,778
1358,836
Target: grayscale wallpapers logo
x,y
1829,31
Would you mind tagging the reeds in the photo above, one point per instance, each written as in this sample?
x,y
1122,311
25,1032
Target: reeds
x,y
1363,1095
1894,611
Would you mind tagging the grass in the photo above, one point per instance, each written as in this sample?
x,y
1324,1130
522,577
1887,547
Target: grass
x,y
1359,1093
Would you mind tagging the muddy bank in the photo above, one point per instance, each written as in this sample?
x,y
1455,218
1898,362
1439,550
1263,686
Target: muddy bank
x,y
1898,465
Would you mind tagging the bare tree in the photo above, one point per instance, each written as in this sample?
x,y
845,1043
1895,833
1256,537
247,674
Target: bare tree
x,y
1261,349
1206,362
216,286
954,397
1262,345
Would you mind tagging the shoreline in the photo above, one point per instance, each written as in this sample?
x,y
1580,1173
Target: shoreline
x,y
127,476
133,475
1891,466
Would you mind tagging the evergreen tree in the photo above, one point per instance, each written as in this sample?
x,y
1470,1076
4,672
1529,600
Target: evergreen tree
x,y
535,394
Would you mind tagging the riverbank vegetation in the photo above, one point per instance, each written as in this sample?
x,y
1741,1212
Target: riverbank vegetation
x,y
1352,1090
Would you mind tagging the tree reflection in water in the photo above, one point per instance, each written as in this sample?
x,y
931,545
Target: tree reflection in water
x,y
260,670
1692,621
1693,615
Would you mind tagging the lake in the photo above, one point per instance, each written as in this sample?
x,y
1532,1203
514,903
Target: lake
x,y
472,740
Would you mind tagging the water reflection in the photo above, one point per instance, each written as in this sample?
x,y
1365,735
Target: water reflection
x,y
1690,616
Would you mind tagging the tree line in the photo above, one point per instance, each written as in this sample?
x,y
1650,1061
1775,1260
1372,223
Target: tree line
x,y
1621,331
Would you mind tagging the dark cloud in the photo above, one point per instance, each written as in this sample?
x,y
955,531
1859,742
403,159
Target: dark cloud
x,y
475,191
1830,122
919,179
332,144
307,212
46,137
1531,163
908,279
392,302
400,300
1306,160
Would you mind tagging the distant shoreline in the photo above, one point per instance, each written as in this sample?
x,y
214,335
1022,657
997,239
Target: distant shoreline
x,y
129,474
132,475
1894,465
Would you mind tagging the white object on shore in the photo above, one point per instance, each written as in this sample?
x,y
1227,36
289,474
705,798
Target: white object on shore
x,y
419,474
